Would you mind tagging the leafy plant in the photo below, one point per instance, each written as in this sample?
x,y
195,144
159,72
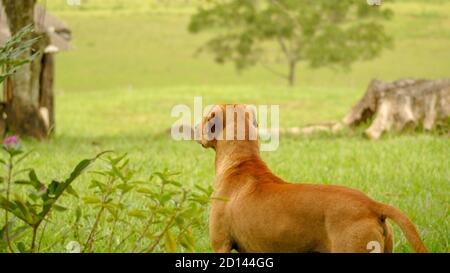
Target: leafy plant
x,y
11,54
166,219
34,207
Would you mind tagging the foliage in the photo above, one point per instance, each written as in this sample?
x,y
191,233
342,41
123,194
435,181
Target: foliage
x,y
320,32
168,217
12,53
165,219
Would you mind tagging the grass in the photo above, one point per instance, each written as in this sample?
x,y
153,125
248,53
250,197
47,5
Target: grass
x,y
130,64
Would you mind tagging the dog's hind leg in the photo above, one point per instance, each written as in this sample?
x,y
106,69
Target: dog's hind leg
x,y
361,237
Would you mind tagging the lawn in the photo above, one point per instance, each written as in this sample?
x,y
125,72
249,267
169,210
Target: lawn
x,y
132,63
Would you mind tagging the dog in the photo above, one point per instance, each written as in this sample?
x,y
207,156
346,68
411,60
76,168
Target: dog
x,y
254,210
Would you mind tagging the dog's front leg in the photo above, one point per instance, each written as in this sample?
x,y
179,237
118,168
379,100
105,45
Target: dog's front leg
x,y
218,229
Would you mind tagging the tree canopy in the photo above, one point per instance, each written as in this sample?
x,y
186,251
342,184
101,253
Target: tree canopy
x,y
319,32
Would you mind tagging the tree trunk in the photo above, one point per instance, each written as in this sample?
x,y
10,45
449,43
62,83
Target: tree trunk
x,y
46,91
23,115
401,104
397,105
291,75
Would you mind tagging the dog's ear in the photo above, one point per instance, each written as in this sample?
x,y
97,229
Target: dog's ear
x,y
214,124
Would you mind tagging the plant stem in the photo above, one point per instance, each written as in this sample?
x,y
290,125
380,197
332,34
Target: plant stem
x,y
167,227
169,223
111,239
58,240
42,235
90,240
123,241
91,237
8,190
184,230
142,235
33,239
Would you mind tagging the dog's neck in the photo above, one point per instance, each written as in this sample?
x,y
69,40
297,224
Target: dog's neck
x,y
237,158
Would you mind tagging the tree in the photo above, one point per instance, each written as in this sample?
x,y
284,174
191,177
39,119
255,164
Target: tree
x,y
319,32
22,88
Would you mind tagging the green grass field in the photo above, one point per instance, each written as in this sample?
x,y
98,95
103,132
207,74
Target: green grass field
x,y
131,63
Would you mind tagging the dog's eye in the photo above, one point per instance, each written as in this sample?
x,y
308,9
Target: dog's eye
x,y
213,129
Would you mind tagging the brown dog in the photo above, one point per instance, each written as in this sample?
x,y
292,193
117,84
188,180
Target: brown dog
x,y
256,211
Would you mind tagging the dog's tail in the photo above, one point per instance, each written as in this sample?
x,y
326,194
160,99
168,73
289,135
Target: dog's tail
x,y
405,224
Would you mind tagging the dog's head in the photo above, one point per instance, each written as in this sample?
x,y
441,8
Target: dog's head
x,y
227,122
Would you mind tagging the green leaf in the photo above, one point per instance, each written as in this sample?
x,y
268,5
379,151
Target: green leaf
x,y
71,191
113,211
56,189
21,247
170,243
165,197
188,241
78,214
97,184
6,205
22,211
22,171
22,182
175,183
18,232
23,157
91,199
34,181
52,191
125,188
116,160
2,230
137,213
79,169
12,52
59,208
202,189
144,190
82,166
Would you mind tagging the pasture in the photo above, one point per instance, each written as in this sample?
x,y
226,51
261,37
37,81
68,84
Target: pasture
x,y
131,63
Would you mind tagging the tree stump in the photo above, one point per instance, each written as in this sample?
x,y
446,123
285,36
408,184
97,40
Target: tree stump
x,y
401,104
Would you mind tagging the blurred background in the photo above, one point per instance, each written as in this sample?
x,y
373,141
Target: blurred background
x,y
131,61
144,48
